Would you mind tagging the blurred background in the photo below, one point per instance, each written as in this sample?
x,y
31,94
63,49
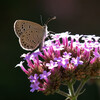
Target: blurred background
x,y
76,16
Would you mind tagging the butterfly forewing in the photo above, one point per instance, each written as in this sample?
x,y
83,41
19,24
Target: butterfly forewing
x,y
30,34
20,26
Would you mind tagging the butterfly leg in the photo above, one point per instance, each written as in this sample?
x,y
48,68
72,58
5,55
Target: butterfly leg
x,y
51,32
42,44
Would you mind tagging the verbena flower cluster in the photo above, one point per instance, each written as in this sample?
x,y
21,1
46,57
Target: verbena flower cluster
x,y
65,57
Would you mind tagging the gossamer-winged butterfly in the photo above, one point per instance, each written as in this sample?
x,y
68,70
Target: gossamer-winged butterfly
x,y
30,34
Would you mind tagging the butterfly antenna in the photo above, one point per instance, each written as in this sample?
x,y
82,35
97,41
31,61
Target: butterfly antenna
x,y
50,19
41,20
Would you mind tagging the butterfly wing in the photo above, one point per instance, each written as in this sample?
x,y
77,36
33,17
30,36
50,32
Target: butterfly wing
x,y
30,34
21,26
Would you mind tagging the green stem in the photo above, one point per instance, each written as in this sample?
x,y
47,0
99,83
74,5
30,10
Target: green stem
x,y
62,93
71,92
80,87
71,89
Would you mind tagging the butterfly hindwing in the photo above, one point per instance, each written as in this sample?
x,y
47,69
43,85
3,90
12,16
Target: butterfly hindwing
x,y
30,40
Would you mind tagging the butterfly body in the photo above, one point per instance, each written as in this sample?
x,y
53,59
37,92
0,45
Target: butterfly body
x,y
30,34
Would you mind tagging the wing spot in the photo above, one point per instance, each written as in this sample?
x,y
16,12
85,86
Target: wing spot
x,y
31,31
33,41
23,43
19,33
22,26
27,46
29,26
28,39
18,30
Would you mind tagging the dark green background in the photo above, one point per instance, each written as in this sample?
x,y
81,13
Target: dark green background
x,y
76,16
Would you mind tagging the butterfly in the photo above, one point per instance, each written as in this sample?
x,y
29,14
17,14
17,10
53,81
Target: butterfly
x,y
31,34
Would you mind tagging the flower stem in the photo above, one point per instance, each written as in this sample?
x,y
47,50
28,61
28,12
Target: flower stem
x,y
62,93
71,92
80,87
71,89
